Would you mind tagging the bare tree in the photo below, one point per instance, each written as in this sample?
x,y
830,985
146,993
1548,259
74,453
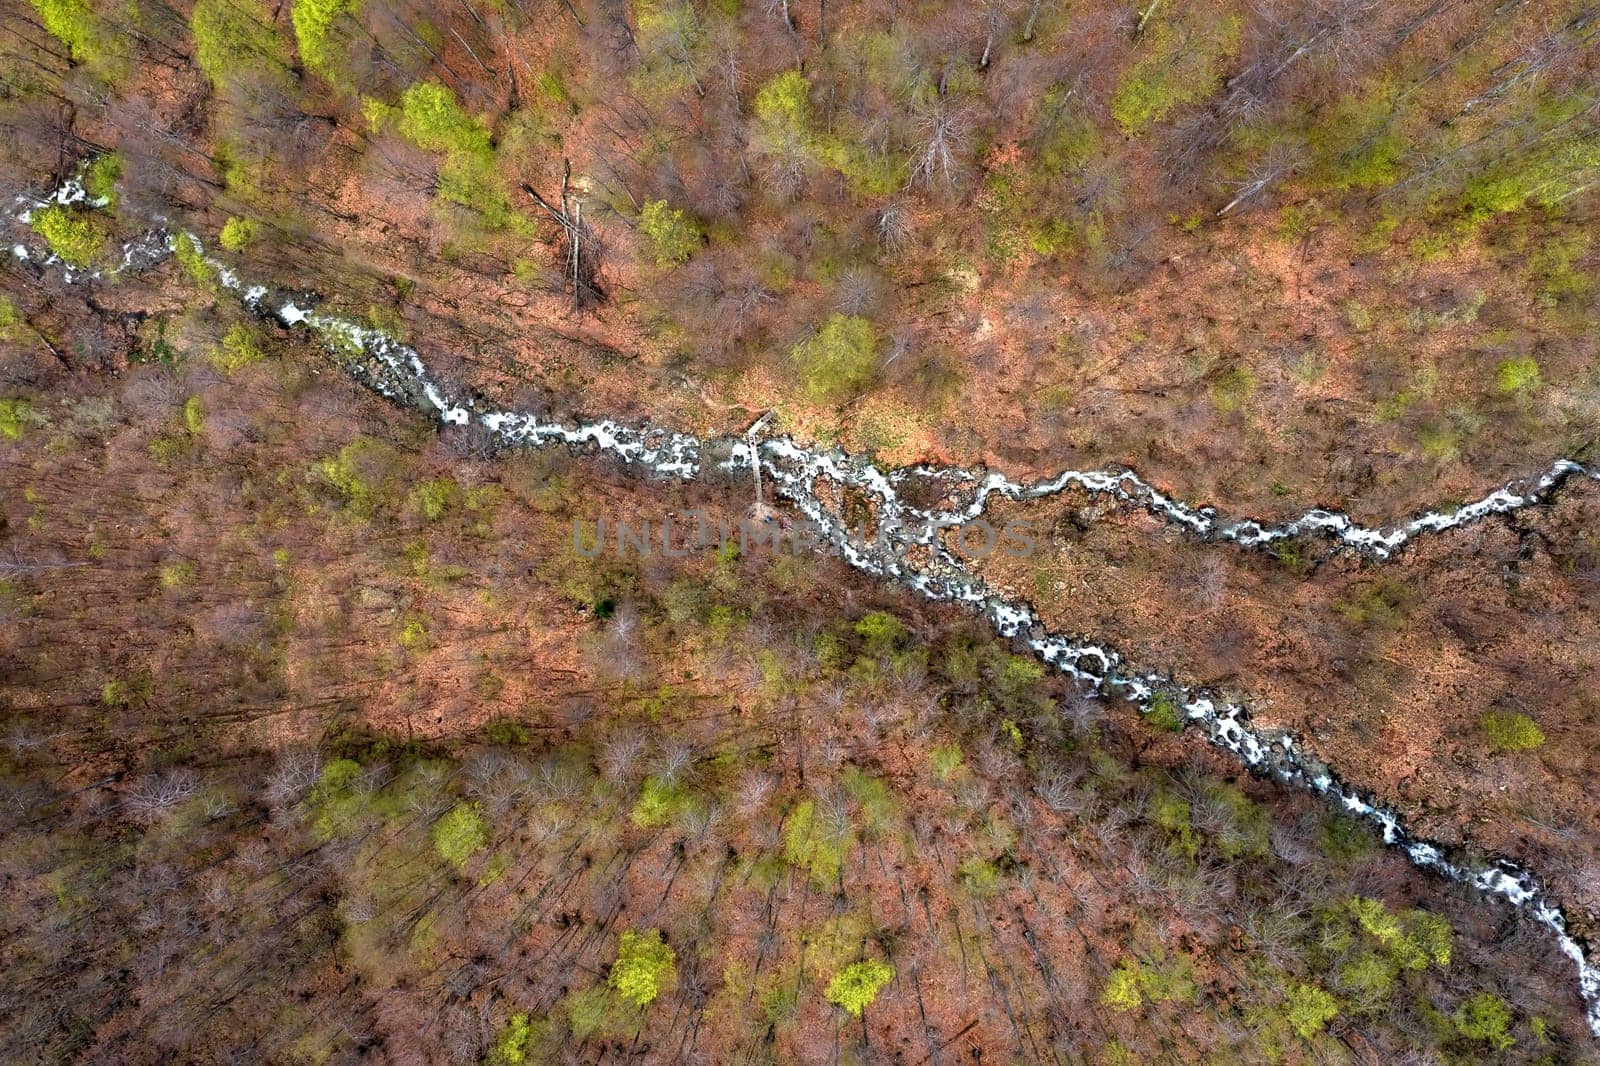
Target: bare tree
x,y
894,227
155,796
944,132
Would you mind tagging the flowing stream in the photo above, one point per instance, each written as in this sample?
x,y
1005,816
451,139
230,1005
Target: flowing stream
x,y
803,476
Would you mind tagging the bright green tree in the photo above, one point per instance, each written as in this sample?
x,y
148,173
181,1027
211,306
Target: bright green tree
x,y
76,238
523,1041
460,833
670,235
75,25
314,25
855,987
784,103
1309,1009
235,38
237,233
187,251
1122,991
643,968
431,119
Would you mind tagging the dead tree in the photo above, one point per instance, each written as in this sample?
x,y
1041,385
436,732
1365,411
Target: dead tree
x,y
762,512
581,247
1278,164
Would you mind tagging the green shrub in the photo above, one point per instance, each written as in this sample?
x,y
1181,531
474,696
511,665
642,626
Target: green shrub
x,y
78,239
1237,828
460,833
358,472
980,877
813,843
414,635
1161,981
839,360
875,798
643,968
1486,1018
11,320
1232,388
597,1011
1369,980
176,575
15,414
1181,62
1344,839
1555,266
670,236
1380,604
1520,375
1358,142
946,760
101,176
194,415
667,36
240,347
507,732
1069,143
474,181
1558,161
1309,1009
1172,814
186,250
856,987
435,498
1511,731
1018,673
660,801
1163,712
879,631
868,172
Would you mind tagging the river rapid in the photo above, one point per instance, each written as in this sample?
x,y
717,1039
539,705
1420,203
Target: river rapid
x,y
908,545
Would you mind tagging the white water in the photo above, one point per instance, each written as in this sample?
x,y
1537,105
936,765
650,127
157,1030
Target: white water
x,y
1128,487
398,372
